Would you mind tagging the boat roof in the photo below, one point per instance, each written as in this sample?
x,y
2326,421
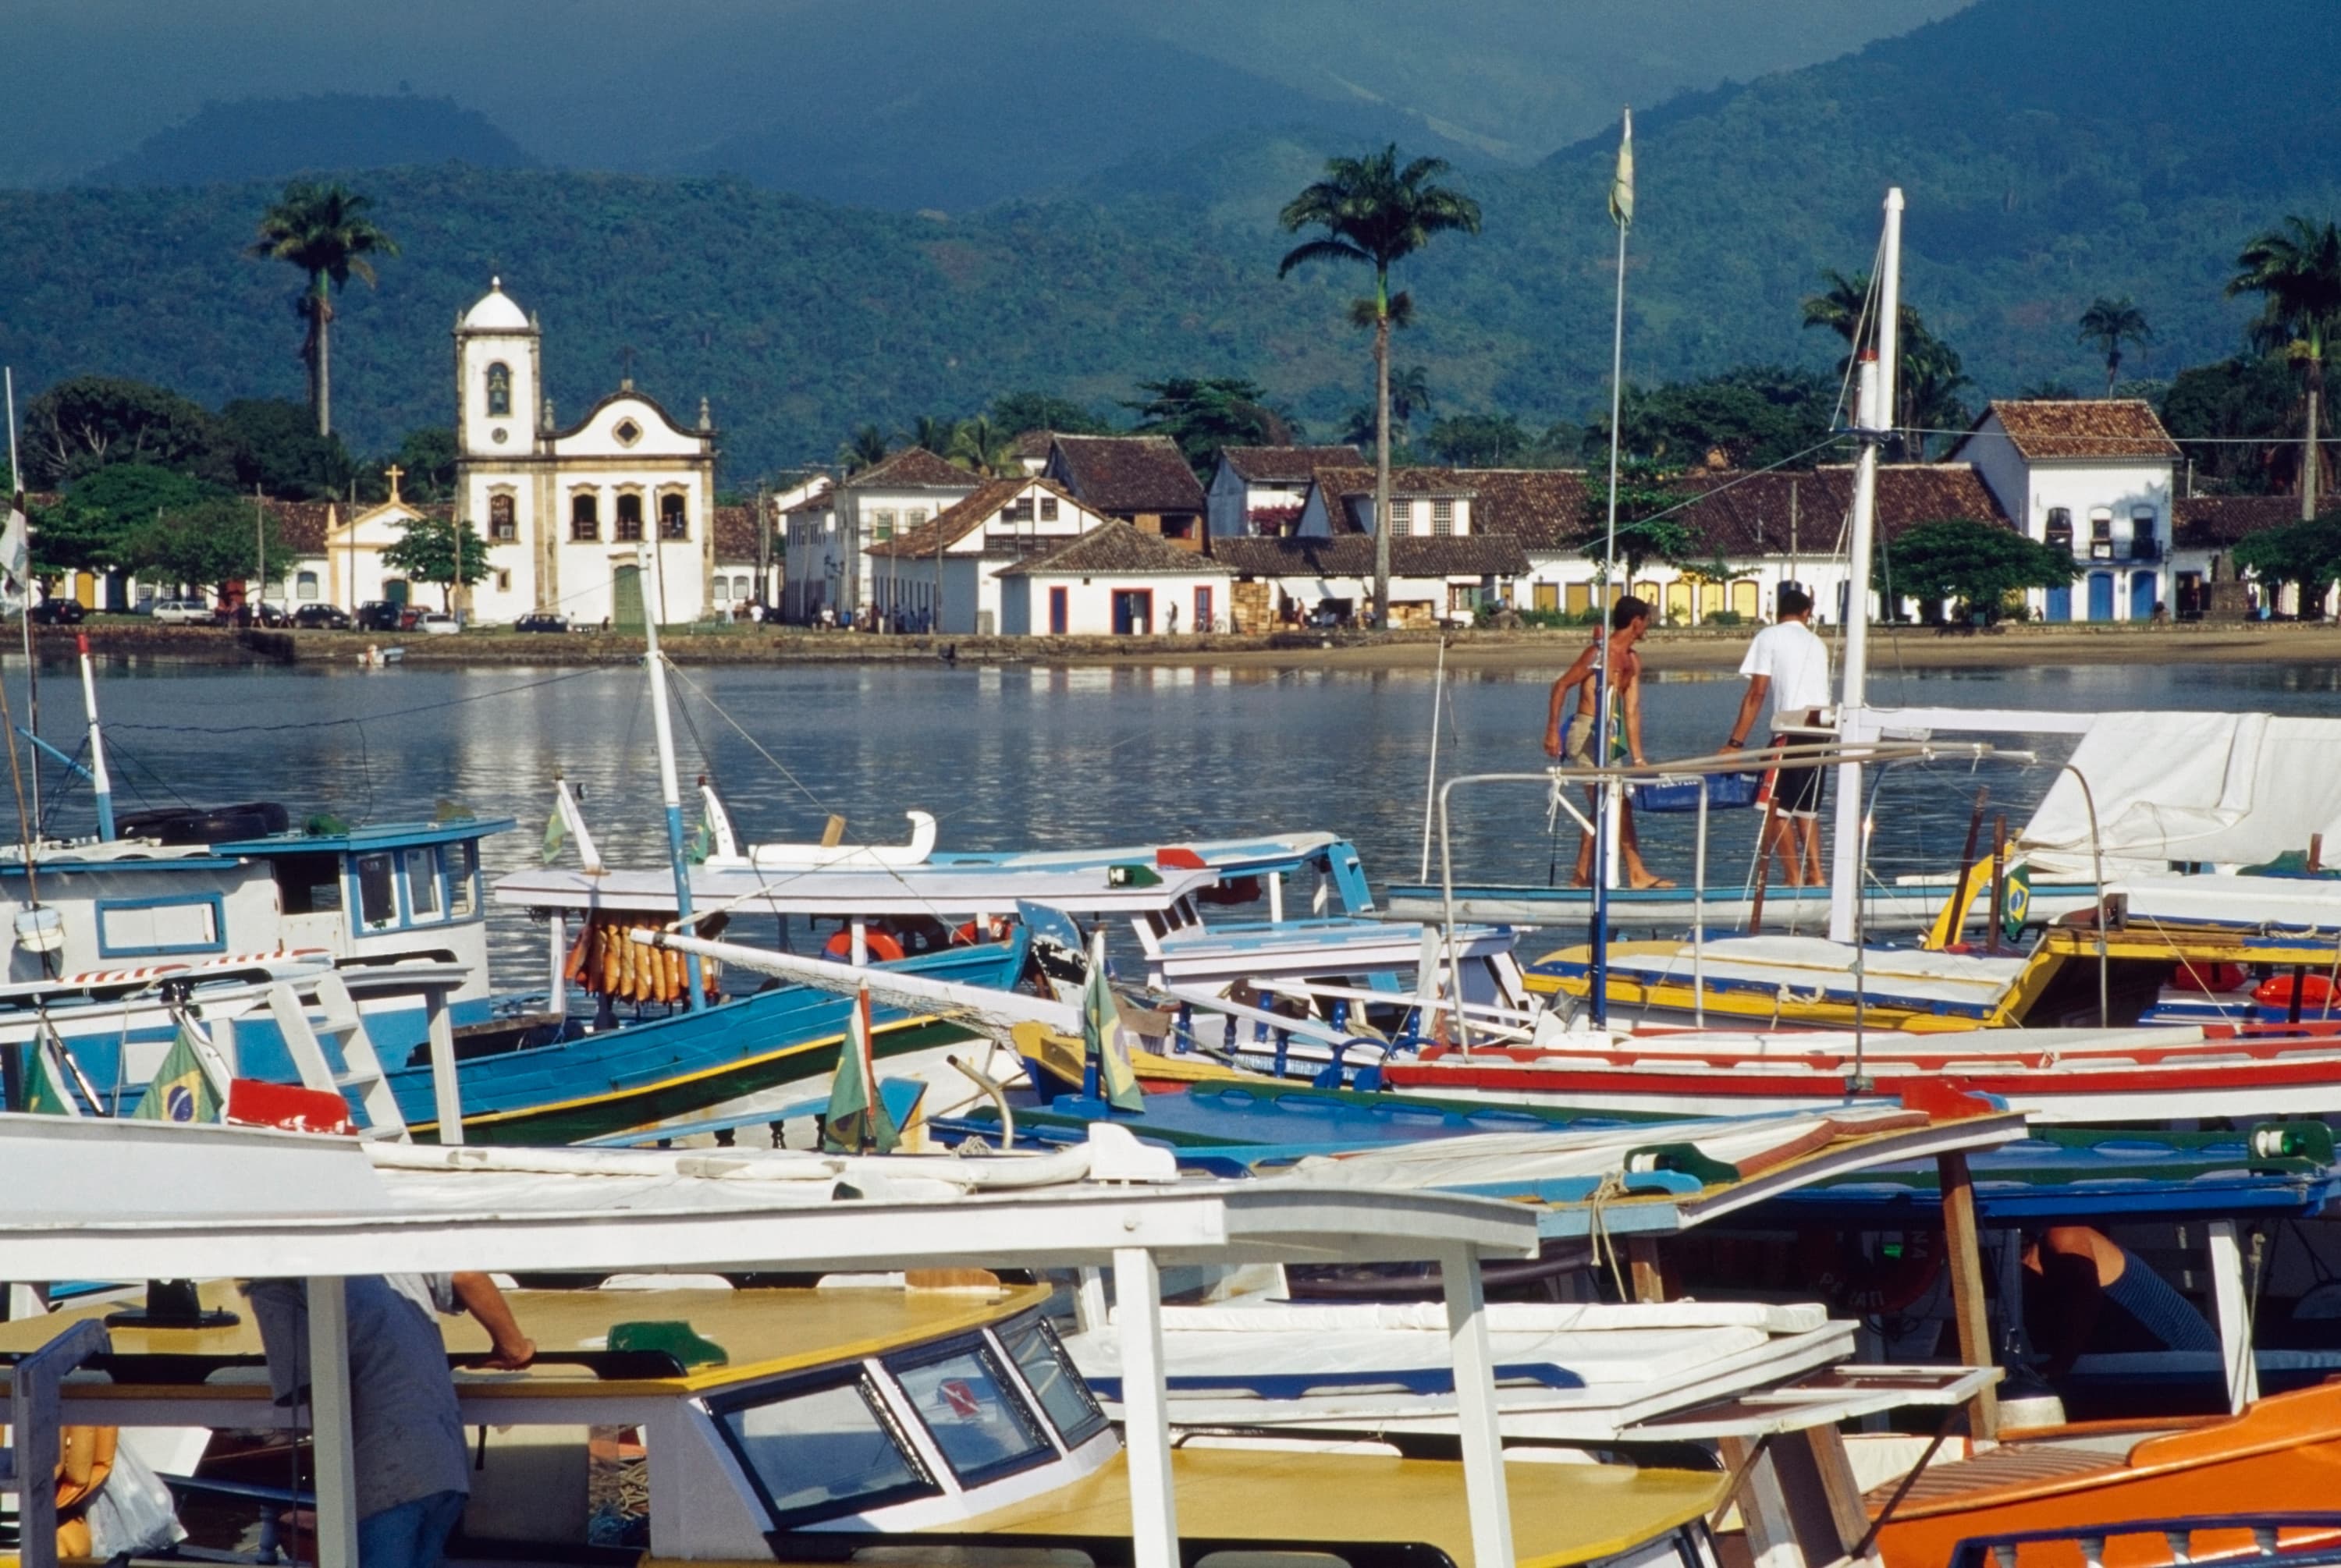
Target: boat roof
x,y
113,855
136,1200
371,837
910,891
1231,858
1337,939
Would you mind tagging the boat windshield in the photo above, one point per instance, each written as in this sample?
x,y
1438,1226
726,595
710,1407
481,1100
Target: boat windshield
x,y
820,1453
1052,1378
979,1422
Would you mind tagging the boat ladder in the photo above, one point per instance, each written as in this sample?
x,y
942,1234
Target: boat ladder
x,y
362,1067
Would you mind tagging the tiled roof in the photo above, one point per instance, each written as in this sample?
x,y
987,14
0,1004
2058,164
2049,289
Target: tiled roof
x,y
912,468
1543,508
301,524
1287,464
1127,472
1742,515
1032,445
2083,427
1115,547
735,536
956,522
1405,484
2216,521
1352,555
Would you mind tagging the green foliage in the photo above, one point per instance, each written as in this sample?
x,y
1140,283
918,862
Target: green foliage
x,y
1649,527
1478,440
2308,554
321,227
983,447
426,460
2107,325
865,448
81,425
91,525
2210,409
1755,415
1978,564
451,554
1204,414
1018,412
205,544
2295,270
277,447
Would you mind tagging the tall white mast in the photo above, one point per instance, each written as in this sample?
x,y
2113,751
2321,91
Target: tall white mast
x,y
670,785
1874,416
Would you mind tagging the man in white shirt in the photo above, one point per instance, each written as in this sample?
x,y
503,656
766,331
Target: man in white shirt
x,y
1791,664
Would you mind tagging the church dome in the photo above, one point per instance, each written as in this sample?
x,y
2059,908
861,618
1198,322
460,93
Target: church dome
x,y
496,312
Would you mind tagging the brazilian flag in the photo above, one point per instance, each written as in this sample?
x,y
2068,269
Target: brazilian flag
x,y
1101,1036
181,1091
2015,902
857,1122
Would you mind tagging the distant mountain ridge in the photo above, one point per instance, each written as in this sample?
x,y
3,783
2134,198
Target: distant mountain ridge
x,y
273,138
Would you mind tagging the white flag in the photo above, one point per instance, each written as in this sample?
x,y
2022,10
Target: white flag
x,y
16,545
1622,188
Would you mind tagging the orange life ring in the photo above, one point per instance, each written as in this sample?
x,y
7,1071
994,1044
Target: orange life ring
x,y
879,946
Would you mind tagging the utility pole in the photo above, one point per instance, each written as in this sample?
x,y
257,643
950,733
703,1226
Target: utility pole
x,y
259,599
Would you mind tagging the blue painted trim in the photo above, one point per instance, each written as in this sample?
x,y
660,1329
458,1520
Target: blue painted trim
x,y
218,944
364,840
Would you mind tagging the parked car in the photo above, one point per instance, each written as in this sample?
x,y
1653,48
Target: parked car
x,y
58,612
385,615
321,617
182,611
540,620
437,623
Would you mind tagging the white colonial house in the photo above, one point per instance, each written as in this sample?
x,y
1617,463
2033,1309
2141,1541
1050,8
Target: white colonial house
x,y
2092,476
944,575
1261,490
828,532
1113,581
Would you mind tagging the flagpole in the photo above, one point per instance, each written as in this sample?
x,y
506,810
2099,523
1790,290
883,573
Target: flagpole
x,y
25,599
1621,208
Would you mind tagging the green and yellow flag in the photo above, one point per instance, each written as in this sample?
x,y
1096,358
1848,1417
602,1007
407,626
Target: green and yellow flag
x,y
2016,902
555,832
857,1122
1101,1035
181,1090
1621,186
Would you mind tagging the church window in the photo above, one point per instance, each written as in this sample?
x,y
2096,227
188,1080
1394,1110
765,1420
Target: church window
x,y
672,520
584,517
304,585
628,432
501,524
499,389
630,518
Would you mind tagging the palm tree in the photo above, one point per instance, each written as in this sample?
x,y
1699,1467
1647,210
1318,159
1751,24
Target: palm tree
x,y
1842,306
1409,393
984,447
865,448
935,434
2108,324
1928,386
1376,213
2296,271
322,230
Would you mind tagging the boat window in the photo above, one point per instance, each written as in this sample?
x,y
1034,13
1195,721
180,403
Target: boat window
x,y
462,860
423,886
981,1426
377,898
309,884
825,1451
1052,1380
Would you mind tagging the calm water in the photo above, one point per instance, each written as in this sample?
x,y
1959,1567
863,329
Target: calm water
x,y
1006,757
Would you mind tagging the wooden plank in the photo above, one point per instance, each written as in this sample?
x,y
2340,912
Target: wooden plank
x,y
1763,1512
1650,1278
1964,1244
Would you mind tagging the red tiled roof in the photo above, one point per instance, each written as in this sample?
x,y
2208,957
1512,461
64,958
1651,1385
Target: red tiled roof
x,y
912,468
1406,483
1115,547
2216,521
301,524
1352,555
2043,428
956,522
1287,464
1751,514
735,536
1543,508
1126,474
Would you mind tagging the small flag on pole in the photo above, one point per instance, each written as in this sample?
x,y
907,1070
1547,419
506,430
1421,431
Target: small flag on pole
x,y
857,1121
1622,188
1101,1035
2016,902
16,545
181,1090
555,832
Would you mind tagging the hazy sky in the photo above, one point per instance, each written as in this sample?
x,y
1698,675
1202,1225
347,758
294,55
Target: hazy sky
x,y
617,83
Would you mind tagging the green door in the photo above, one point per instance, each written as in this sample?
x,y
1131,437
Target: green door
x,y
396,591
626,590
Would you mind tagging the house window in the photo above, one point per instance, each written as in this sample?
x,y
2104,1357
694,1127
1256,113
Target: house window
x,y
499,390
1442,518
1178,524
504,582
1048,507
673,520
881,526
1019,511
914,517
584,517
2141,533
304,585
630,518
501,524
2101,534
2060,528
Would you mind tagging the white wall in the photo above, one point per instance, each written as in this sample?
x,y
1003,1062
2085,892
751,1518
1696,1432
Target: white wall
x,y
1089,602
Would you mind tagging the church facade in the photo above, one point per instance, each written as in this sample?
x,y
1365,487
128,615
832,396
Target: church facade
x,y
571,513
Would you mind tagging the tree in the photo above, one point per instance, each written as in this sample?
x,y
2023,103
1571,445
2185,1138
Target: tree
x,y
2306,554
279,449
2107,325
2220,414
81,425
1018,412
322,230
1756,416
92,528
426,462
2296,271
1930,376
1376,214
1204,414
1410,395
1978,564
434,550
984,447
865,448
206,544
932,433
1478,440
1650,525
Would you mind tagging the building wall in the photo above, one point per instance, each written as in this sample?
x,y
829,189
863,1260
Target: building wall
x,y
1225,503
2120,489
1089,601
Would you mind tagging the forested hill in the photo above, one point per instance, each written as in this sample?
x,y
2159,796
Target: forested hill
x,y
2052,150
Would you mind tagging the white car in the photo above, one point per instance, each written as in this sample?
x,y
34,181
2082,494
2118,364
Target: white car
x,y
437,623
183,611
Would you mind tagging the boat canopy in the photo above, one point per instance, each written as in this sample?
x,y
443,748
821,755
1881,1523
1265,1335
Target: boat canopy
x,y
942,894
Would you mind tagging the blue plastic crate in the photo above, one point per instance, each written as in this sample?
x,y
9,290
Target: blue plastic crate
x,y
1725,792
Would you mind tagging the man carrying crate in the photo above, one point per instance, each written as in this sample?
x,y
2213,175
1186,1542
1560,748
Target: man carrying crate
x,y
1789,663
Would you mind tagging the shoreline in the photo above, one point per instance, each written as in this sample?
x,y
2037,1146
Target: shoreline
x,y
1672,649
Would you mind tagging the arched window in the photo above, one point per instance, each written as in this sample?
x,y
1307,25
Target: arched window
x,y
673,523
629,517
499,389
584,517
500,518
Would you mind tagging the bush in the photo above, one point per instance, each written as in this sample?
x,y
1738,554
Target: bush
x,y
1723,618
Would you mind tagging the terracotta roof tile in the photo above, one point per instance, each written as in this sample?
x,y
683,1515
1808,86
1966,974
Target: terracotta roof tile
x,y
1126,474
1352,555
2043,428
2216,521
1751,514
1287,464
735,536
301,524
1543,508
1115,547
912,468
1406,483
956,522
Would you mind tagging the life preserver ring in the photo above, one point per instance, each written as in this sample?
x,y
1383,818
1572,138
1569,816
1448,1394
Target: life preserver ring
x,y
988,928
1847,1277
878,943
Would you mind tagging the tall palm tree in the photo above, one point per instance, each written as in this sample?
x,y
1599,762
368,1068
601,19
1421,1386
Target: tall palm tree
x,y
935,434
2108,324
1376,213
1409,393
2296,271
980,445
321,229
865,448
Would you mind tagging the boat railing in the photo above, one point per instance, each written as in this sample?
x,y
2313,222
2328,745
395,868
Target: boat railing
x,y
2303,1540
1613,780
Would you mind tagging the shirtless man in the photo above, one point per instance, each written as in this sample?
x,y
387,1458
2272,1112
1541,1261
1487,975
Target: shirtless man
x,y
1628,619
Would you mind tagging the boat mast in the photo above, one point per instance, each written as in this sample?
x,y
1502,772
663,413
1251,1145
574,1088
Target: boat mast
x,y
669,787
100,783
1873,417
